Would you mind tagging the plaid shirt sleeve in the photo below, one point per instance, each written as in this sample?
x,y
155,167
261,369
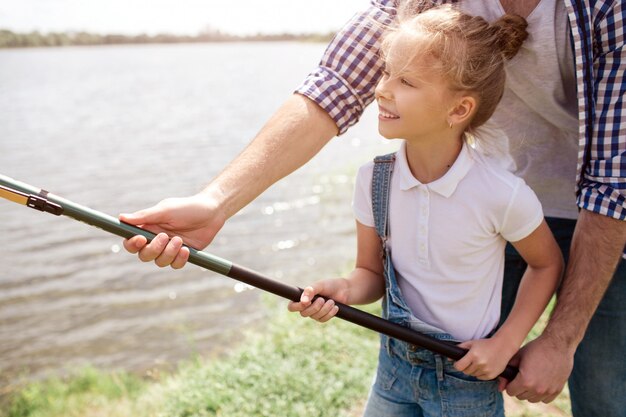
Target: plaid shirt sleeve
x,y
343,84
602,161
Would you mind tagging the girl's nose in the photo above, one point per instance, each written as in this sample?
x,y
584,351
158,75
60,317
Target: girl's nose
x,y
382,90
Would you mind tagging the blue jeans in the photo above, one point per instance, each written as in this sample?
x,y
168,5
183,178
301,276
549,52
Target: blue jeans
x,y
413,382
598,382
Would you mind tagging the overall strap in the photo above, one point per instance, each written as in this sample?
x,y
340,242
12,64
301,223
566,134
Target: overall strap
x,y
381,181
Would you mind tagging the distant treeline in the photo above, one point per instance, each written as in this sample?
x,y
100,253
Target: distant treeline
x,y
9,39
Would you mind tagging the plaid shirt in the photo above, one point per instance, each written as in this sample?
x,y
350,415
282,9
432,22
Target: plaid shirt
x,y
343,85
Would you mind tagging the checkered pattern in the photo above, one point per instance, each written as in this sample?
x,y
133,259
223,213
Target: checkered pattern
x,y
343,84
600,63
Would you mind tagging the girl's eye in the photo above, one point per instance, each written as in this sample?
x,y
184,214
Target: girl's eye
x,y
406,82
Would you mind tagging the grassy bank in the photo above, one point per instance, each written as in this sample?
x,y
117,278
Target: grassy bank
x,y
292,368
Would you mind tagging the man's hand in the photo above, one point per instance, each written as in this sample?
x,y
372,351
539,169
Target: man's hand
x,y
544,367
194,220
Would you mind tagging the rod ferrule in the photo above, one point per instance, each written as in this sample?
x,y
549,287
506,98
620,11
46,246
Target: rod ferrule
x,y
41,203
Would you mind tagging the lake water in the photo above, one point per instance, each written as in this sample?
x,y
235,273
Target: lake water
x,y
118,129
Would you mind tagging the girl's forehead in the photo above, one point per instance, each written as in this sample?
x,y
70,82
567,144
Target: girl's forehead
x,y
408,52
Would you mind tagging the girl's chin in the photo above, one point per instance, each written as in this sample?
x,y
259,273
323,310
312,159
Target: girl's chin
x,y
386,133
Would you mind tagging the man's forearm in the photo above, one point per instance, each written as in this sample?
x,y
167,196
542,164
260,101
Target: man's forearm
x,y
292,136
596,249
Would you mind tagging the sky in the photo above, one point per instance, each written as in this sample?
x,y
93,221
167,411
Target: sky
x,y
190,17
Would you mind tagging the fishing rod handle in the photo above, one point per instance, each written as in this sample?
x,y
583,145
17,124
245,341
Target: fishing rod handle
x,y
361,318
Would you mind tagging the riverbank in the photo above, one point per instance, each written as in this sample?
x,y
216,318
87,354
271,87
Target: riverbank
x,y
291,367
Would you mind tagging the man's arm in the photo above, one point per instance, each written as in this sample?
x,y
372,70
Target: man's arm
x,y
292,136
596,249
546,362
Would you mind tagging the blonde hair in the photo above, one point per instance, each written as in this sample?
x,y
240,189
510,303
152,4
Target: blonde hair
x,y
470,53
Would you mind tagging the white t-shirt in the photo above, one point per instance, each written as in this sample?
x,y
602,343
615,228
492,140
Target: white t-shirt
x,y
447,238
537,119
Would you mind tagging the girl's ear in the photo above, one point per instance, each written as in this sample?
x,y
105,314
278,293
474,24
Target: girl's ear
x,y
463,112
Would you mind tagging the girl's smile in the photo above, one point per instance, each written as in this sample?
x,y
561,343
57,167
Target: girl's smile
x,y
386,115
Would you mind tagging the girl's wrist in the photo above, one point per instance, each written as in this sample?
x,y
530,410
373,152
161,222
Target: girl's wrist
x,y
347,289
507,343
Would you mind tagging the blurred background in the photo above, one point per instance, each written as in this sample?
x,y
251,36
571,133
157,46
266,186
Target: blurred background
x,y
118,127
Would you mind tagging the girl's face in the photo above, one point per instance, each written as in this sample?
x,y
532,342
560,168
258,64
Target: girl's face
x,y
414,100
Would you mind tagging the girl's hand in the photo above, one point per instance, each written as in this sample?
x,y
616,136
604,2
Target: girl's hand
x,y
486,358
321,309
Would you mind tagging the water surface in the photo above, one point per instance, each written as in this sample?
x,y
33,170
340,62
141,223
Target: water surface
x,y
118,129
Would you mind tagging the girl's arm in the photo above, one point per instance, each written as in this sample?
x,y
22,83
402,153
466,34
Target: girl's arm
x,y
365,284
487,358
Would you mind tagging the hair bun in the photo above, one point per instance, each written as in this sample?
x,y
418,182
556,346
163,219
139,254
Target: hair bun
x,y
510,34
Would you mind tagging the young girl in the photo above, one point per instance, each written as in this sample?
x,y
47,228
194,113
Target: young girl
x,y
442,220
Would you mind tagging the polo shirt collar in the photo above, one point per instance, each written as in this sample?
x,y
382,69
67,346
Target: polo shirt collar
x,y
445,185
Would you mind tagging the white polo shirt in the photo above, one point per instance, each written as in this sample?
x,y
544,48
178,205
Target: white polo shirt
x,y
447,238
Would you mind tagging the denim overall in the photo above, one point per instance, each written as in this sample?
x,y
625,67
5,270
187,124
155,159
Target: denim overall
x,y
412,381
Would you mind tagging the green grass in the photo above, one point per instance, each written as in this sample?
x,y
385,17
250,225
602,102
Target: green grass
x,y
88,387
296,368
292,367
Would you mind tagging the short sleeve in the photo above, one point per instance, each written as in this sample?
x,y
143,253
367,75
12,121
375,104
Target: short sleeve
x,y
362,200
523,215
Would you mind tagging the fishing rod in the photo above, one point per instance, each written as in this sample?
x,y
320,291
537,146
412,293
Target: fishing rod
x,y
42,200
